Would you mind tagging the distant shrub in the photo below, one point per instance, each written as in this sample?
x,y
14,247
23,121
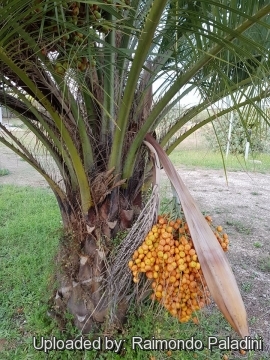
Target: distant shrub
x,y
258,138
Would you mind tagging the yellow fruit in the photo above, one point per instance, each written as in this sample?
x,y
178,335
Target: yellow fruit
x,y
168,258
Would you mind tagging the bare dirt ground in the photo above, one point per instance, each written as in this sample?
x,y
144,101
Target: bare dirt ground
x,y
242,207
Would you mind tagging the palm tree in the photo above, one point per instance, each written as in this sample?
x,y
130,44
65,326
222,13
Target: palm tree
x,y
79,75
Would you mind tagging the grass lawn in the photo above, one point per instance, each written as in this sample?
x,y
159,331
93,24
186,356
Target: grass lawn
x,y
29,233
203,158
200,157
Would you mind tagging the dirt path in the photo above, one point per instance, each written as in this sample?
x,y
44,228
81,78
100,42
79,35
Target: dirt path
x,y
243,209
21,173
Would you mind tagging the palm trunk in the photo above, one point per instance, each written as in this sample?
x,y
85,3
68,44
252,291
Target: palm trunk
x,y
84,262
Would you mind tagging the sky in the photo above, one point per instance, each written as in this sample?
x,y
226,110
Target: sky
x,y
191,99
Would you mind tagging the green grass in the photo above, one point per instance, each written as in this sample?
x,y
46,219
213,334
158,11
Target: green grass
x,y
4,172
257,244
264,264
199,158
29,223
239,227
204,158
29,233
247,287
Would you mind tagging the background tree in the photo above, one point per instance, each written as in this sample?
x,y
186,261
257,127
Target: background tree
x,y
253,131
79,75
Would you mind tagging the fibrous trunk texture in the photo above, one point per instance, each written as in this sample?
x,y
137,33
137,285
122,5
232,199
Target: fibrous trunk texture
x,y
85,263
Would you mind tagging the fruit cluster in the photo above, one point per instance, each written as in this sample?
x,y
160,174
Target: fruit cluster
x,y
168,258
69,28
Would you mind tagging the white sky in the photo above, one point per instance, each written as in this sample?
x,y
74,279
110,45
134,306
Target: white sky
x,y
189,100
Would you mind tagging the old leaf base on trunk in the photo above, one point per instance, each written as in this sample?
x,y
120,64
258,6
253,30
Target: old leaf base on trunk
x,y
84,264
